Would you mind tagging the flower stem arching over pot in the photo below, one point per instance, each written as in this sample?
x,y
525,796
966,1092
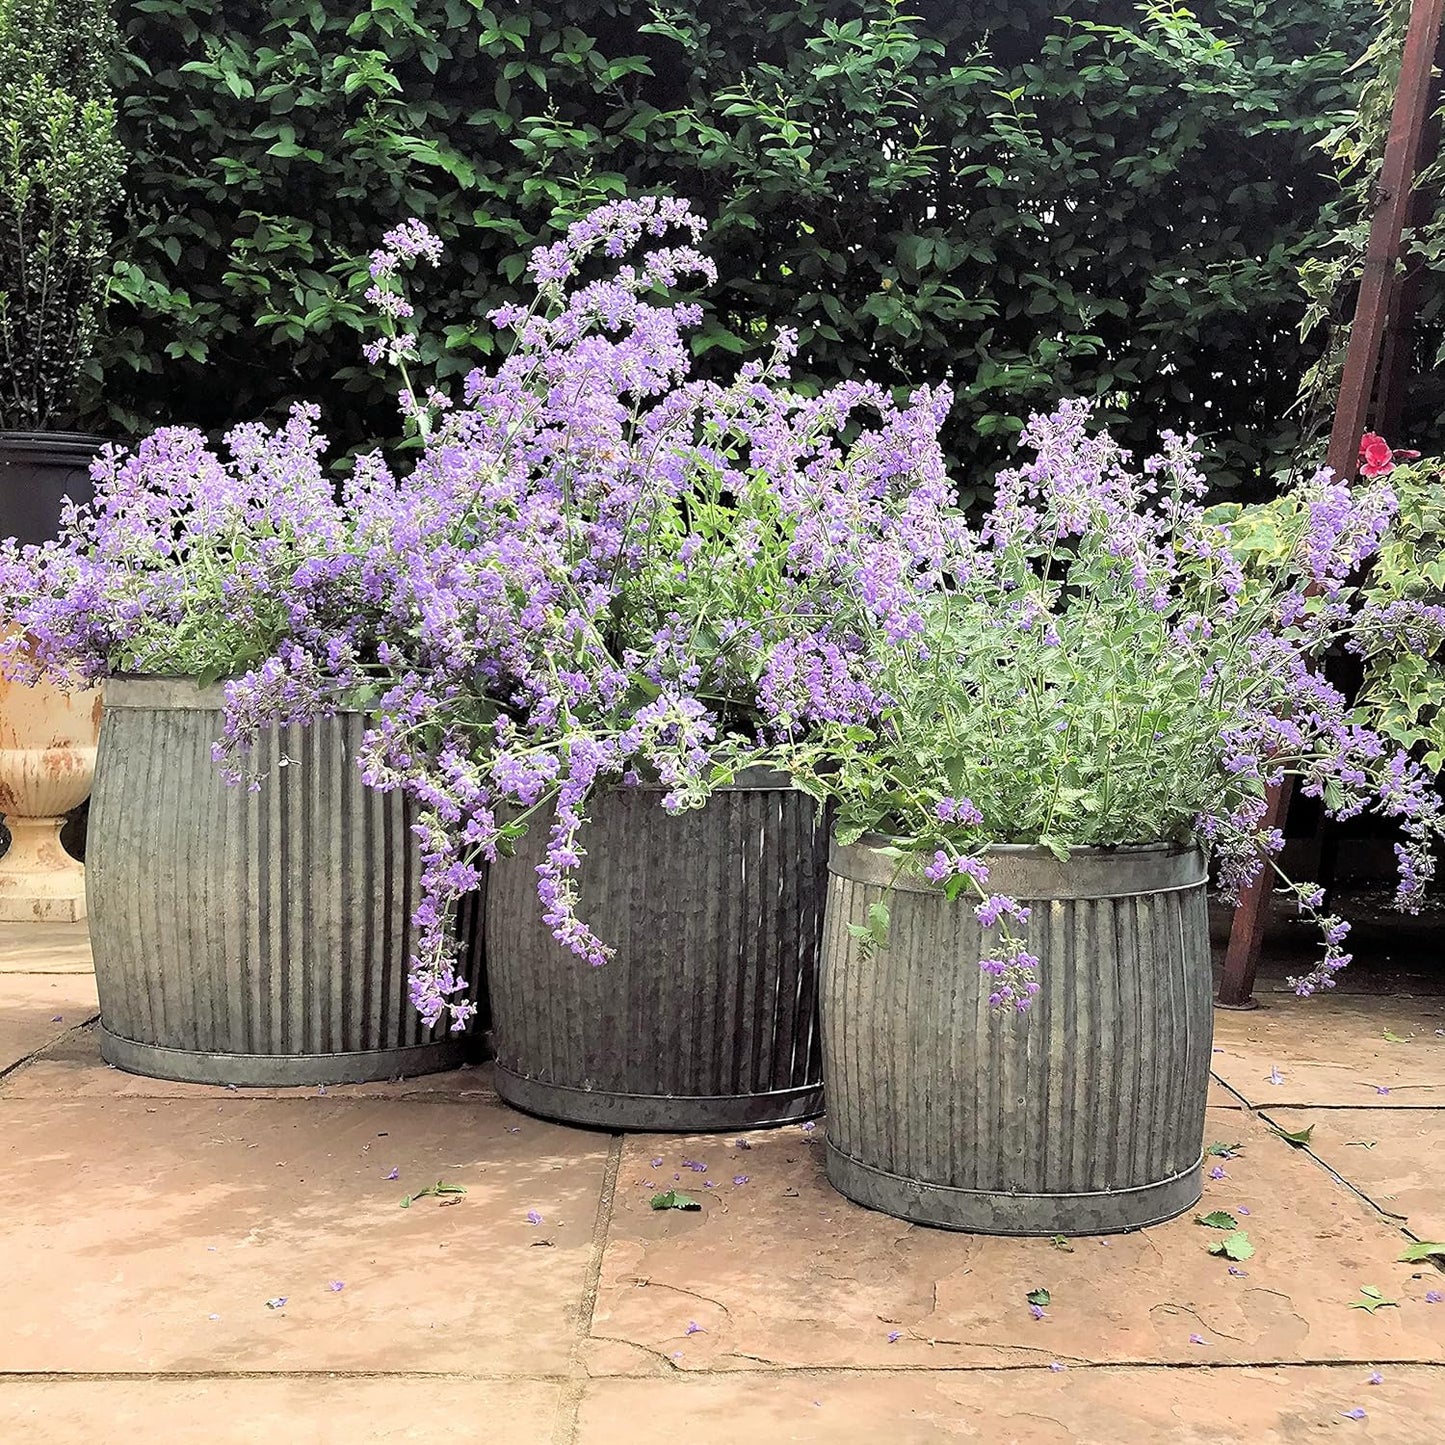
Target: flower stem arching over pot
x,y
1083,1114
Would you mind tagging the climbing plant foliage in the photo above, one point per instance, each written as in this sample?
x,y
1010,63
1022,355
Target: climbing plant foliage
x,y
1023,205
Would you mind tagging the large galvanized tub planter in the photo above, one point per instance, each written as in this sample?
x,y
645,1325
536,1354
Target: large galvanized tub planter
x,y
1085,1114
706,1016
257,938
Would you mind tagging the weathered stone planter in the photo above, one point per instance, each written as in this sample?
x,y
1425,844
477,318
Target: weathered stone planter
x,y
1085,1115
706,1018
250,937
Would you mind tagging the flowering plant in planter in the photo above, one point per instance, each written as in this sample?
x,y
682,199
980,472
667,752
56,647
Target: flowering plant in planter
x,y
600,571
1109,667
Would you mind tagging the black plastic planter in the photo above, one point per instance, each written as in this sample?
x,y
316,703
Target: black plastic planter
x,y
38,471
706,1017
1086,1114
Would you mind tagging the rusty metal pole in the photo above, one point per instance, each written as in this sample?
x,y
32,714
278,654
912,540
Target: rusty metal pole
x,y
1401,164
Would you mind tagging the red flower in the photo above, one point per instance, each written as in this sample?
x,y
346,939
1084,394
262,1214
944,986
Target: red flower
x,y
1376,457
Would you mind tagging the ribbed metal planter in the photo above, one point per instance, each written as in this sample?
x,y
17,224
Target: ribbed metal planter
x,y
1084,1115
251,937
706,1017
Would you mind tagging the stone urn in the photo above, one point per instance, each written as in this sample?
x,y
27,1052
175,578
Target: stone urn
x,y
48,736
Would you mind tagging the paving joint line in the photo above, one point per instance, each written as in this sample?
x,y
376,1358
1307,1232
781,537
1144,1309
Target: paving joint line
x,y
569,1405
699,1376
45,1048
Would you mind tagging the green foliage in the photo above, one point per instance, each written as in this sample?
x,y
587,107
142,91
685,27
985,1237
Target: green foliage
x,y
60,171
1020,205
1355,148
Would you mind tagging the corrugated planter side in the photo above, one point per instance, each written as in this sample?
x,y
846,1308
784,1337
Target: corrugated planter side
x,y
1084,1115
251,937
706,1018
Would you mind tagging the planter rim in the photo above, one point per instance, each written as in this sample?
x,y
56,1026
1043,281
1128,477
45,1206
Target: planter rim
x,y
52,441
1031,871
162,690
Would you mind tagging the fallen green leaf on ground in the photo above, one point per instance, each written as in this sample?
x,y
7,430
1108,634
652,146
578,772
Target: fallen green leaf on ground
x,y
1393,1038
1300,1139
1234,1246
435,1191
1219,1219
1038,1297
1422,1249
1372,1301
1224,1151
674,1199
1060,1241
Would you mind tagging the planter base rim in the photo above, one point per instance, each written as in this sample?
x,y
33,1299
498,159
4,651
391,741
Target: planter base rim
x,y
657,1113
981,1211
262,1071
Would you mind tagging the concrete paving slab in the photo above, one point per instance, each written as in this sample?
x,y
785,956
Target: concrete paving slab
x,y
44,948
151,1236
38,1009
780,1270
73,1069
319,1411
1335,1051
1394,1157
1028,1407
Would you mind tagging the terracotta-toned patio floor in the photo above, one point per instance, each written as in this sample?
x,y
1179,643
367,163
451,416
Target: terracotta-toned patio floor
x,y
145,1227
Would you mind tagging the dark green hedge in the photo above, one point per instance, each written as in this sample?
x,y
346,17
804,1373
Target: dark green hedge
x,y
1024,205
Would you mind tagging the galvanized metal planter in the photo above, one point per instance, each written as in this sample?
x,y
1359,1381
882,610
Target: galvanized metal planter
x,y
1084,1115
251,937
706,1018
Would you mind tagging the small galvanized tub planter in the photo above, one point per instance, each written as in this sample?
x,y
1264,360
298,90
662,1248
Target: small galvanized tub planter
x,y
706,1016
1086,1114
257,938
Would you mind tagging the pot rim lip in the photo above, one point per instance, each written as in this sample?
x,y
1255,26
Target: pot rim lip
x,y
874,842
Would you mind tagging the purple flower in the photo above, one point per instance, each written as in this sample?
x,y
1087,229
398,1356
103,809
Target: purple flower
x,y
809,1126
894,1336
1375,1378
693,1328
336,1286
740,1178
657,1163
1037,1311
1381,1089
1218,1172
1055,1366
1242,1209
1356,1414
741,1144
1275,1077
1197,1340
695,1166
394,1173
533,1217
1433,1296
276,1303
1238,1273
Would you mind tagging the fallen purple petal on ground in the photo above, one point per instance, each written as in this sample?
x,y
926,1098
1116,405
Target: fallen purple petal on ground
x,y
656,1164
708,1184
1356,1414
1197,1340
809,1127
533,1217
695,1166
1055,1366
1275,1077
59,1018
693,1328
741,1144
1238,1273
1218,1172
1241,1209
1381,1089
1376,1378
213,1317
321,1090
395,1174
1037,1311
1433,1296
740,1178
514,1128
894,1336
275,1304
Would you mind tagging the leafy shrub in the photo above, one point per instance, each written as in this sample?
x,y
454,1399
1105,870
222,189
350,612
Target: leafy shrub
x,y
1014,204
60,171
